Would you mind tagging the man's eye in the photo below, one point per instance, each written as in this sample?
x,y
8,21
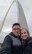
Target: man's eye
x,y
16,29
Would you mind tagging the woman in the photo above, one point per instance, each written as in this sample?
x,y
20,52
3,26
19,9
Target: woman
x,y
26,41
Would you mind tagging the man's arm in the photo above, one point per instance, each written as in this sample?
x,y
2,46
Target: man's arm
x,y
6,48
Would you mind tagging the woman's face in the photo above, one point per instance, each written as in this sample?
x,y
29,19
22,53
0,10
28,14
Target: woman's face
x,y
24,34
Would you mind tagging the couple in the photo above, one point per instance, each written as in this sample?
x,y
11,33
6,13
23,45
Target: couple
x,y
17,42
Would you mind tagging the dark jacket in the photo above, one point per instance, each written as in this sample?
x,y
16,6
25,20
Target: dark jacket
x,y
11,45
28,47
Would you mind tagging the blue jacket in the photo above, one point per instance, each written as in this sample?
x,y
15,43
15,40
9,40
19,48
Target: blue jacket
x,y
11,45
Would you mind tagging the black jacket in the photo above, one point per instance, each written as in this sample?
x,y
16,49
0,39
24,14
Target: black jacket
x,y
11,45
28,47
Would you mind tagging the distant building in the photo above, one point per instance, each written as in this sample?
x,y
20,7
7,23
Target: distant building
x,y
0,45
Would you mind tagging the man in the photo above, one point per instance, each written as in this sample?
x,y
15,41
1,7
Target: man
x,y
12,44
26,41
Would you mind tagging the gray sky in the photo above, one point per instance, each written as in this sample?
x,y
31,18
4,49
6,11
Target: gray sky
x,y
12,15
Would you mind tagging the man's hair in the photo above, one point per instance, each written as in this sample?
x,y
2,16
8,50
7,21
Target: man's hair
x,y
15,24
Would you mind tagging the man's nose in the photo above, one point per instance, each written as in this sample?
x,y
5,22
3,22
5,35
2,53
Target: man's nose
x,y
16,30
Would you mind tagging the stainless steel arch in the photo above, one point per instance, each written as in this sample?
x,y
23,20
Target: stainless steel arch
x,y
21,15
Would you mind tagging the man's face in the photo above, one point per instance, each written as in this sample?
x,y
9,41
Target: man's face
x,y
24,34
16,30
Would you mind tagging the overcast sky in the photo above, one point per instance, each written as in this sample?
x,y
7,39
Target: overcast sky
x,y
12,15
